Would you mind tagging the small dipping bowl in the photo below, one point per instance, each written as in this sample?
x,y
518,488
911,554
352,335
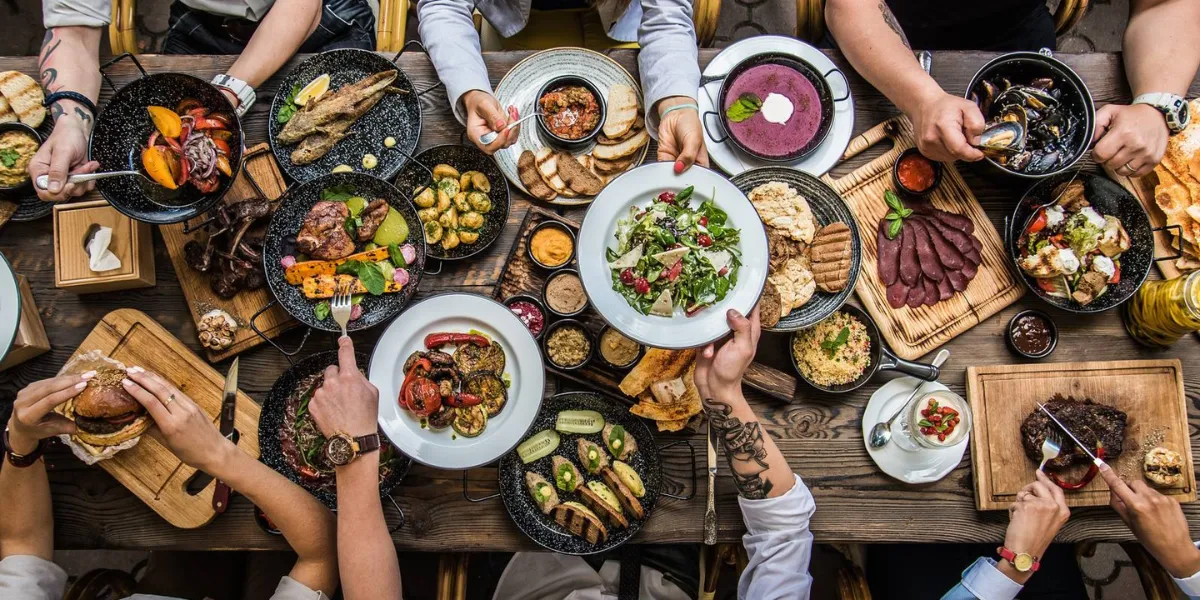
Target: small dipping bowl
x,y
604,359
1032,334
546,293
580,143
911,163
530,312
26,185
545,225
555,326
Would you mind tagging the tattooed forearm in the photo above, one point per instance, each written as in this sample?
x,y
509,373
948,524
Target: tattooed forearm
x,y
744,449
48,74
891,21
84,116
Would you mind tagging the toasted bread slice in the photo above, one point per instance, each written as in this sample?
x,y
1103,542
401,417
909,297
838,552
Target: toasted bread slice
x,y
656,365
626,148
532,180
6,113
24,97
581,521
602,508
624,495
611,167
830,252
577,176
622,110
547,164
770,305
638,125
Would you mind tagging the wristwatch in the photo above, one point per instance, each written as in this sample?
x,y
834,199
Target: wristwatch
x,y
245,94
22,460
1174,108
1023,562
341,449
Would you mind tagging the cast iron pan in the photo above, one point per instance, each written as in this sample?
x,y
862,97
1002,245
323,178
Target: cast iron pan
x,y
542,528
397,115
882,358
1107,198
122,128
827,207
824,95
280,241
271,419
416,176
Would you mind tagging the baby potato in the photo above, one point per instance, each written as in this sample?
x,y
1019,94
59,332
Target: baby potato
x,y
464,181
427,214
443,201
480,201
468,237
471,220
433,232
370,161
460,202
451,240
449,219
444,170
425,197
480,182
448,185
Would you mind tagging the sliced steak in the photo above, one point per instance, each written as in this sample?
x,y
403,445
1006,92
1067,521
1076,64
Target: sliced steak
x,y
897,294
932,296
910,265
978,244
958,281
916,295
947,253
969,270
973,257
959,222
889,256
931,267
945,289
1089,421
957,238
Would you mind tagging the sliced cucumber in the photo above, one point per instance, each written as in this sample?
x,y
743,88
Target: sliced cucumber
x,y
579,421
540,445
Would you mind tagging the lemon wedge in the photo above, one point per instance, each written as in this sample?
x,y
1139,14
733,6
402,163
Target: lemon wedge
x,y
315,89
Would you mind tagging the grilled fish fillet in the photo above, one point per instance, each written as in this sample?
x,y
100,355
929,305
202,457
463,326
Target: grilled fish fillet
x,y
323,123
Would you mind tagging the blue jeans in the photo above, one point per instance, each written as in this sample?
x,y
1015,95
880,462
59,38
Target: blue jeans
x,y
344,24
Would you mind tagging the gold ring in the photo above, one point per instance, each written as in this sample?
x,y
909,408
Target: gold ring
x,y
1128,169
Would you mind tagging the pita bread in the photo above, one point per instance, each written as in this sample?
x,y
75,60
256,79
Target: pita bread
x,y
672,426
528,172
622,110
1178,189
626,148
681,402
24,97
656,365
577,176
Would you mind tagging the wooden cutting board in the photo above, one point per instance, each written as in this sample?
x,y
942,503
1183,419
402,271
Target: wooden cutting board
x,y
149,469
912,333
260,166
1001,396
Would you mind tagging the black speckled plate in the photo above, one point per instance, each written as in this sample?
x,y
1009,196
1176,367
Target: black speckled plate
x,y
542,528
827,207
271,419
1107,198
121,131
397,115
281,241
29,206
463,158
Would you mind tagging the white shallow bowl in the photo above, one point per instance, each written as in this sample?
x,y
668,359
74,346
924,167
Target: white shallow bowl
x,y
638,187
457,313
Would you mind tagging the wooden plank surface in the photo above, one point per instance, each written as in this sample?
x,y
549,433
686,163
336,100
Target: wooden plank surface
x,y
819,434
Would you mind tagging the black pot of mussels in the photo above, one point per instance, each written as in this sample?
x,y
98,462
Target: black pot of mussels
x,y
1040,114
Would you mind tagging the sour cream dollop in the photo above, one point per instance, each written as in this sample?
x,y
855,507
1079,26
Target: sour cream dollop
x,y
1054,216
777,109
1104,265
1065,261
1093,218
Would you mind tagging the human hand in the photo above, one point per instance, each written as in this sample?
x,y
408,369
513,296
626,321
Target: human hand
x,y
1130,139
680,135
719,369
33,418
1157,521
179,424
64,153
346,402
485,115
1034,519
946,126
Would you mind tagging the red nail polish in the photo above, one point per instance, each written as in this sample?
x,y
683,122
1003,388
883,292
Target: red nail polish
x,y
678,166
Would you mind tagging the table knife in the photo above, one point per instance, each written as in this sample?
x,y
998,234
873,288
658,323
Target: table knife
x,y
228,411
1095,460
710,512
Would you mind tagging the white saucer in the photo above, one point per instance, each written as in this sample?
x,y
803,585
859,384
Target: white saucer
x,y
734,161
926,466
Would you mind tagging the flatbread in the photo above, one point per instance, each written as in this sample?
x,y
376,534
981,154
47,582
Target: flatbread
x,y
528,172
622,110
671,426
1178,189
24,97
656,365
577,176
673,408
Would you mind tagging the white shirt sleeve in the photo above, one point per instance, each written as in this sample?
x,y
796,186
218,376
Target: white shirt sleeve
x,y
667,60
69,13
779,545
1190,585
448,32
984,581
31,578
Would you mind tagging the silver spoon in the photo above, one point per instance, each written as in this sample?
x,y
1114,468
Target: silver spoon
x,y
491,136
43,181
881,433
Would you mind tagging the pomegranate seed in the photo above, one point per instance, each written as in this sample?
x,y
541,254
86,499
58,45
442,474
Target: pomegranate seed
x,y
641,285
936,418
941,437
627,276
925,413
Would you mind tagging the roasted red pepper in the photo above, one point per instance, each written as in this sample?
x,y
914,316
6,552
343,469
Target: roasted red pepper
x,y
422,396
1038,223
1087,477
435,340
461,399
422,363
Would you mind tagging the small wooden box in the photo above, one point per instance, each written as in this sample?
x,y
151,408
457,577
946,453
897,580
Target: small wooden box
x,y
132,242
31,337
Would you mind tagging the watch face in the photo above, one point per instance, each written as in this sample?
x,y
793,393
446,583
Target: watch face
x,y
339,451
1024,562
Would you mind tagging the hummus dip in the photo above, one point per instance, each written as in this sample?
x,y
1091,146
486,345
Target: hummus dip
x,y
16,150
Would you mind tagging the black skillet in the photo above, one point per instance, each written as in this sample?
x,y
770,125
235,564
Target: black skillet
x,y
280,241
121,131
271,419
809,72
415,176
882,358
1107,198
29,206
397,115
541,528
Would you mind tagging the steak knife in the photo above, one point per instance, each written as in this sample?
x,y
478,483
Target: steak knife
x,y
710,512
228,411
1095,460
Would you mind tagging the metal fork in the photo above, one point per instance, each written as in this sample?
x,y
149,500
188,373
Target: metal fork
x,y
340,306
1051,446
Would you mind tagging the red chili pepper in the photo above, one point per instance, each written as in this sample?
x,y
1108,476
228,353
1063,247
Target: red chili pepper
x,y
307,472
461,399
1087,477
435,340
1116,278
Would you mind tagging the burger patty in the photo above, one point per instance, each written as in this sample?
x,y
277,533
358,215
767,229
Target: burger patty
x,y
102,426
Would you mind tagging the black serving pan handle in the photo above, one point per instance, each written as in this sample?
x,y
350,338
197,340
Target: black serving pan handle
x,y
844,78
1176,240
692,452
422,48
468,496
110,63
891,362
704,118
286,354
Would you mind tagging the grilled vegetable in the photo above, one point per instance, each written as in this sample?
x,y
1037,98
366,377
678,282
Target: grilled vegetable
x,y
297,273
324,286
469,421
630,478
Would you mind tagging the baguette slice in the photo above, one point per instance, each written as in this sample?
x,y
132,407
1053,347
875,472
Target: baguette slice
x,y
547,164
625,148
622,110
532,180
577,176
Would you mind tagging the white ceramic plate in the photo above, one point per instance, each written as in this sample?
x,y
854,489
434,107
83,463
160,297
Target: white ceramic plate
x,y
638,187
457,313
925,466
520,86
733,161
10,306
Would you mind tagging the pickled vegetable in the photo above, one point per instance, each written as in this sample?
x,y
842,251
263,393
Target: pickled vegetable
x,y
1161,312
579,421
540,445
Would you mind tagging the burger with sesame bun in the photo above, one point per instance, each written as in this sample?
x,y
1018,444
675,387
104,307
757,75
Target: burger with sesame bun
x,y
104,413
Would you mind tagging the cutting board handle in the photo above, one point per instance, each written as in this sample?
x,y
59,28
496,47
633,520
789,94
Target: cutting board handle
x,y
860,143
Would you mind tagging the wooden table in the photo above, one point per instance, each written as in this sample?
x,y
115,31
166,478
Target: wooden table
x,y
819,433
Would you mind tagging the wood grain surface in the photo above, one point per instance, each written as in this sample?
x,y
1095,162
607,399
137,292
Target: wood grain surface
x,y
1150,392
820,433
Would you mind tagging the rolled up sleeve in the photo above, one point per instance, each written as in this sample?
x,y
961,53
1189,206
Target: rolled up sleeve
x,y
984,581
31,578
779,545
290,589
1190,585
449,34
667,61
76,13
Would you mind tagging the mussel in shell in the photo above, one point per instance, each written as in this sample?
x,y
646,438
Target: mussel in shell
x,y
1029,129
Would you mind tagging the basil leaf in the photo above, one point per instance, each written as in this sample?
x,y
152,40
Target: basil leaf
x,y
893,201
321,310
906,212
338,193
397,256
746,106
289,108
892,216
371,277
894,228
831,346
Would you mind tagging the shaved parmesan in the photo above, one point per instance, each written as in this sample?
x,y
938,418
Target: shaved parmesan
x,y
663,306
669,257
719,259
630,259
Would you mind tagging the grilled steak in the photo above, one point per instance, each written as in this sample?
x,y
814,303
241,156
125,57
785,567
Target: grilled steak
x,y
323,234
372,216
1089,421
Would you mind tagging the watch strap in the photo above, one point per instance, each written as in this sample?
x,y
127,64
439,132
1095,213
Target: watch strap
x,y
1174,108
367,443
245,94
1011,557
22,460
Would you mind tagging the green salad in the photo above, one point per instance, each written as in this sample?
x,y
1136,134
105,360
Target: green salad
x,y
671,254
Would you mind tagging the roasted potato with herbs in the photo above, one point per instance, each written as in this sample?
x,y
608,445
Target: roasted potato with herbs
x,y
453,210
461,203
425,198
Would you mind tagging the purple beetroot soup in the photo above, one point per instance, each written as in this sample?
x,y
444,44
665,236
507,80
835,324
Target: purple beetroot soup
x,y
773,139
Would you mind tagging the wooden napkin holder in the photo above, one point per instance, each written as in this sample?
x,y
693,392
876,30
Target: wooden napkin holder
x,y
31,339
132,243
